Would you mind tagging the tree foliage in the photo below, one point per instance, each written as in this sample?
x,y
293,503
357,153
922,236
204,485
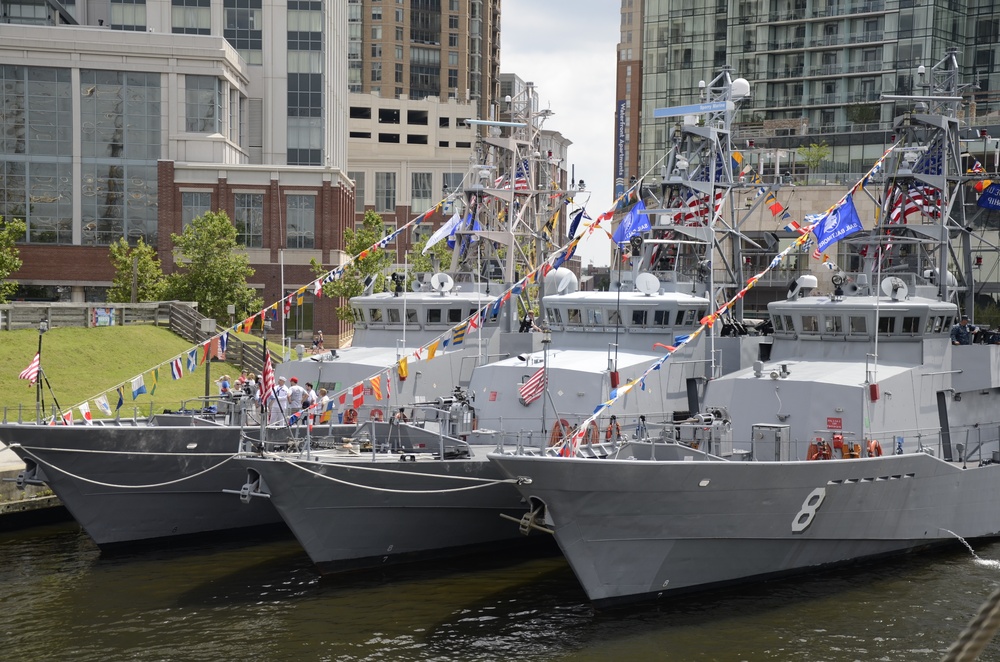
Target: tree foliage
x,y
374,264
11,231
438,258
863,113
814,154
212,268
150,281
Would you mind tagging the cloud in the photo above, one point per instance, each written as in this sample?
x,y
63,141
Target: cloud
x,y
568,50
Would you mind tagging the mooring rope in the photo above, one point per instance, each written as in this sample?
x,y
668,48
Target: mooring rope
x,y
130,487
484,482
977,633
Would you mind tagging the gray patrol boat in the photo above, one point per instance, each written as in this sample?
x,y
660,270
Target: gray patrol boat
x,y
428,490
867,432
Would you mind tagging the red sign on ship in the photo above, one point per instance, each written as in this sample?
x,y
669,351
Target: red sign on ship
x,y
834,423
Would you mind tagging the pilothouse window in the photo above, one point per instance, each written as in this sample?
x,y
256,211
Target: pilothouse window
x,y
375,314
810,324
778,324
661,317
394,316
911,325
454,315
887,325
573,316
859,325
434,316
639,317
834,324
411,315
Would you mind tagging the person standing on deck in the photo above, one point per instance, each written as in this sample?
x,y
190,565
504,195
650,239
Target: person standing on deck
x,y
961,333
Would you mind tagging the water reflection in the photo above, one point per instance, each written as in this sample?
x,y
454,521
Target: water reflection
x,y
261,599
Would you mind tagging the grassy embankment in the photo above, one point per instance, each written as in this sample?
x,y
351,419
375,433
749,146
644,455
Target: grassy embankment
x,y
83,363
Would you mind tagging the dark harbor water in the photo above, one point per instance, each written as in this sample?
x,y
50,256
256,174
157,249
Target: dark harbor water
x,y
61,599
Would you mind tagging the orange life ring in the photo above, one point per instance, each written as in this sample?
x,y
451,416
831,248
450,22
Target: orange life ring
x,y
874,448
351,415
593,435
559,430
820,451
376,415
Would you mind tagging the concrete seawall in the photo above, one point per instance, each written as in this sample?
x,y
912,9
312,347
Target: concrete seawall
x,y
32,506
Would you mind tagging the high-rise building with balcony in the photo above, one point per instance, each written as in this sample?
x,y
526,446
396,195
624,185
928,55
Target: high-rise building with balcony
x,y
817,68
448,49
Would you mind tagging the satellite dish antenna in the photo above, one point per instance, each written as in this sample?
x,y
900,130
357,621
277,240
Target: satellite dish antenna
x,y
793,289
369,285
442,282
647,283
894,288
560,281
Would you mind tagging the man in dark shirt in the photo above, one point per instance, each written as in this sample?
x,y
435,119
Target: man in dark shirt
x,y
961,333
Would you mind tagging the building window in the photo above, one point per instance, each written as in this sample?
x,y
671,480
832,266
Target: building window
x,y
203,104
191,16
248,215
385,192
300,210
359,190
128,15
244,28
420,191
193,205
120,117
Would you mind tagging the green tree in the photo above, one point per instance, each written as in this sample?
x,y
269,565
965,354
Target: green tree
x,y
150,281
212,268
813,155
419,263
373,264
863,113
11,231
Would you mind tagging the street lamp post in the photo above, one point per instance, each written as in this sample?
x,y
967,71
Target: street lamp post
x,y
43,326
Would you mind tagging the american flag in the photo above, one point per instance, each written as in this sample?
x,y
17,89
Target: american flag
x,y
695,208
267,380
532,389
520,178
31,372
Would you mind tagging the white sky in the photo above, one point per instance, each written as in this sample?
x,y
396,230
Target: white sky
x,y
567,48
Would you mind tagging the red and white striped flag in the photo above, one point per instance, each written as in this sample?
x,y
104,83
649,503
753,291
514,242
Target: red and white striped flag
x,y
31,372
532,389
266,380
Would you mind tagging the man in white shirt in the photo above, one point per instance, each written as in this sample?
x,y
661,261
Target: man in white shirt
x,y
296,396
278,404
